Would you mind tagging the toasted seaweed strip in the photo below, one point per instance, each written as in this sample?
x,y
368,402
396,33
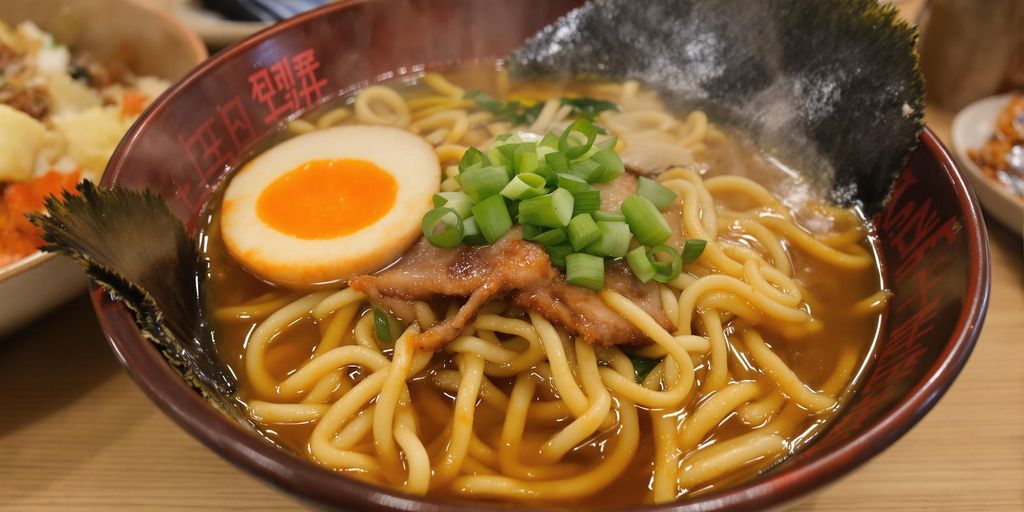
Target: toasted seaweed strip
x,y
830,85
137,250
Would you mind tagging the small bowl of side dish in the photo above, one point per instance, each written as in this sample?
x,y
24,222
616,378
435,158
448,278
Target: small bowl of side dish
x,y
973,127
66,97
929,245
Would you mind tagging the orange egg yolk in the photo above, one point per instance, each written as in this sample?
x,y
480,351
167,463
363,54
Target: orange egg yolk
x,y
323,199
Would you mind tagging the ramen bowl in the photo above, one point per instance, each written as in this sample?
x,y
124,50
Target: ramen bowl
x,y
932,241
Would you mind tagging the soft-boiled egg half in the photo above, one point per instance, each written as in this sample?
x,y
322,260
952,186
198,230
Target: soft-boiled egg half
x,y
327,205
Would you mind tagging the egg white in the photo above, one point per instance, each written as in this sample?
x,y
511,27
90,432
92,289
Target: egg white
x,y
302,263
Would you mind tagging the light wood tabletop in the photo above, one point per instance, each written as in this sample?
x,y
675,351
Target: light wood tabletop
x,y
76,433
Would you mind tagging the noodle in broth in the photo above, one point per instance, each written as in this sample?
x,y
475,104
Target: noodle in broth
x,y
773,324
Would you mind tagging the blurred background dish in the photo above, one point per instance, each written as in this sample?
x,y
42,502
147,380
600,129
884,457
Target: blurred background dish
x,y
76,75
973,127
222,22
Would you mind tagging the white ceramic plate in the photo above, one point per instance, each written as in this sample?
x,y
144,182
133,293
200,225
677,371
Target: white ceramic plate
x,y
34,285
972,127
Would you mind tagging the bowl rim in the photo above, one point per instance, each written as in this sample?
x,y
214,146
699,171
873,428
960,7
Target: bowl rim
x,y
284,470
197,50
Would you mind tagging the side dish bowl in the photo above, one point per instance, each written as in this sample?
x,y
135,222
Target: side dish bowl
x,y
972,128
152,43
933,243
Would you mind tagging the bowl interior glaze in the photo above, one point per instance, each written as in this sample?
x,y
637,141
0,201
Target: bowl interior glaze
x,y
933,242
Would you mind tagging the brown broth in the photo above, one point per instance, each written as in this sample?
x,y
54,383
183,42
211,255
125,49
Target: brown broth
x,y
813,358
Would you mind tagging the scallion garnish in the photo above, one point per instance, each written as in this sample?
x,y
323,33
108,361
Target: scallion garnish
x,y
586,201
583,231
558,162
665,270
589,108
492,218
554,236
608,216
577,139
442,227
552,210
645,221
573,183
587,270
558,254
611,165
614,240
385,327
589,170
480,183
472,158
471,232
458,201
530,231
640,263
692,250
656,193
525,186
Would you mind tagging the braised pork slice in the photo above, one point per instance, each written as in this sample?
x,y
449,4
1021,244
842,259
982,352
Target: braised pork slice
x,y
511,268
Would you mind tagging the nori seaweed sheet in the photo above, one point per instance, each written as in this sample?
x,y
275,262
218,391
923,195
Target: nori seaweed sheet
x,y
831,86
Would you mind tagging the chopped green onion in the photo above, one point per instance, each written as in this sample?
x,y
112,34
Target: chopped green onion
x,y
472,158
586,201
640,263
551,237
614,241
458,201
549,140
527,162
552,210
573,183
558,162
492,218
610,163
646,222
570,142
471,232
692,250
589,107
557,253
587,270
583,231
643,366
589,170
656,193
665,271
530,231
386,327
442,227
483,182
525,186
608,216
608,143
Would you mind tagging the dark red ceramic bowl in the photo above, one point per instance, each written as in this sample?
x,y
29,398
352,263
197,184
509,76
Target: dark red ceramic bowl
x,y
933,240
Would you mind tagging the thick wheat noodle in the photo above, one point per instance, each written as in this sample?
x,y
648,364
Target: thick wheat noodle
x,y
581,484
512,435
324,388
362,333
713,254
270,412
772,283
713,409
586,424
450,153
455,121
725,457
873,304
768,240
389,398
784,378
355,431
545,117
333,117
627,387
757,412
251,311
262,337
337,327
708,213
771,308
472,368
366,113
442,86
817,249
717,374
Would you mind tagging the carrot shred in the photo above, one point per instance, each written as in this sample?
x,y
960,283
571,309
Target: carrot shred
x,y
18,237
